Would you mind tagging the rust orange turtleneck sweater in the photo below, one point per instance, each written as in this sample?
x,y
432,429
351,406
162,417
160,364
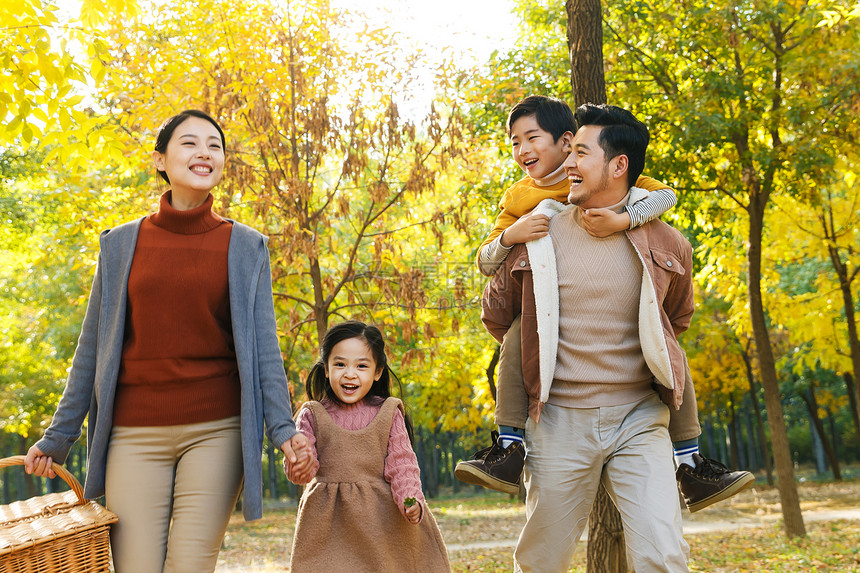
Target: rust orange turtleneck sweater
x,y
178,359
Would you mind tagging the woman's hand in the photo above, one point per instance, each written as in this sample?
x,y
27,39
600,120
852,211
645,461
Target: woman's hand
x,y
37,463
298,461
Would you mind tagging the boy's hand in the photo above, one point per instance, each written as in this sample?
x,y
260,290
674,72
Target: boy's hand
x,y
527,228
601,222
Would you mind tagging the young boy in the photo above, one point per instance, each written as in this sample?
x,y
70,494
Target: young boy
x,y
540,130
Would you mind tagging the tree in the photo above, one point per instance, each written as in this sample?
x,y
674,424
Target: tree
x,y
585,43
365,216
42,88
759,95
606,548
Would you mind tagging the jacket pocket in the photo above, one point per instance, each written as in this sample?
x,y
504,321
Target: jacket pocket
x,y
667,267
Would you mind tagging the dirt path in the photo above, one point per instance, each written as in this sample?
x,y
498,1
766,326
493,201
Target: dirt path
x,y
691,527
487,526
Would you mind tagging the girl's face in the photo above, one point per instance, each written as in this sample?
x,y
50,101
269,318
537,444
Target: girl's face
x,y
193,160
351,370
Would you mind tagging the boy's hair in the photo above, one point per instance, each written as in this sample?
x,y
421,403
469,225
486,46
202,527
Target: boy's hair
x,y
552,115
317,383
622,133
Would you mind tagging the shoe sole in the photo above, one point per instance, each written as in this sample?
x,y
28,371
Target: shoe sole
x,y
468,474
738,485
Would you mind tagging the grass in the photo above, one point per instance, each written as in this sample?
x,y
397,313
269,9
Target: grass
x,y
478,531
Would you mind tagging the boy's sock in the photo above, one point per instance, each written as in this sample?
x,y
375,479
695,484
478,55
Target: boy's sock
x,y
684,451
508,435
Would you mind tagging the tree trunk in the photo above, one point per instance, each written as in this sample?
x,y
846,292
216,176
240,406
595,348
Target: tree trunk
x,y
271,453
812,406
762,438
734,435
788,497
852,399
845,280
585,45
606,552
752,444
491,370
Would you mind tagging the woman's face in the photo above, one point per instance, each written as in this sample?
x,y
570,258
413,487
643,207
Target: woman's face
x,y
193,160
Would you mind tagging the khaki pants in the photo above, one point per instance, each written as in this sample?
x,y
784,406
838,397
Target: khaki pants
x,y
567,455
173,488
512,401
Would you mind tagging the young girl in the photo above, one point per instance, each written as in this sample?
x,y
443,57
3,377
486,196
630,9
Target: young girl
x,y
363,509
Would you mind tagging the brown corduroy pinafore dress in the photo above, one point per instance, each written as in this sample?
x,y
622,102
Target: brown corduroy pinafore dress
x,y
347,520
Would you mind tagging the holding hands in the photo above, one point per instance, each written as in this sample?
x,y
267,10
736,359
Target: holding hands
x,y
299,464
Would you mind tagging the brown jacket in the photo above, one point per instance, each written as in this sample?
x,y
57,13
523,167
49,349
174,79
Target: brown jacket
x,y
665,310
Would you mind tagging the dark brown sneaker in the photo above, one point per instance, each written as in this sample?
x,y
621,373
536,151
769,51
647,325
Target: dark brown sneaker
x,y
710,482
495,467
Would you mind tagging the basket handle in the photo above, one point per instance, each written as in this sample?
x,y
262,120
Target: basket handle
x,y
60,470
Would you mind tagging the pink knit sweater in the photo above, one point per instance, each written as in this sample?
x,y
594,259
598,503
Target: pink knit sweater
x,y
401,465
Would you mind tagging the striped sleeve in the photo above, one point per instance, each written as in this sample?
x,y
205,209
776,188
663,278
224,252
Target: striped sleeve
x,y
655,204
492,256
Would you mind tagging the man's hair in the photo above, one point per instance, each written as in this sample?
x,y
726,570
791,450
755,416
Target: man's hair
x,y
552,115
622,133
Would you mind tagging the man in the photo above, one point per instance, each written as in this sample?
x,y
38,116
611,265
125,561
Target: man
x,y
600,317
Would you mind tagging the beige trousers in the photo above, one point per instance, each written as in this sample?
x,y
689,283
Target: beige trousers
x,y
512,402
174,489
569,453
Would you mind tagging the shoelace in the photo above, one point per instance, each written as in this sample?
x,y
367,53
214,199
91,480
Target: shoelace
x,y
496,452
711,468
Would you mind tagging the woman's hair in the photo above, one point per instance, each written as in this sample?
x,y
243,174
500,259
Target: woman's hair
x,y
165,132
317,384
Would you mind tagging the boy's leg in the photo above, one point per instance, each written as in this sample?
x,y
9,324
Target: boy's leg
x,y
703,481
512,401
499,467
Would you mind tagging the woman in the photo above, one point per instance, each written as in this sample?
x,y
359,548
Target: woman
x,y
178,367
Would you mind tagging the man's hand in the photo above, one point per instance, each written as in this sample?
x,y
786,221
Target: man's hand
x,y
37,463
601,222
527,228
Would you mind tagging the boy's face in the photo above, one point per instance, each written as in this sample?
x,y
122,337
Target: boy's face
x,y
534,149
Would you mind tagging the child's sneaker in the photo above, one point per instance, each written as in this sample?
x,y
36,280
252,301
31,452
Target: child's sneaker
x,y
709,482
495,467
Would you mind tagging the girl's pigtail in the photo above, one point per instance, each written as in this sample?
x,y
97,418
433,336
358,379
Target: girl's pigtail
x,y
316,384
389,374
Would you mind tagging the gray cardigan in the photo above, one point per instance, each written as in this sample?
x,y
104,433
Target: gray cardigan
x,y
91,384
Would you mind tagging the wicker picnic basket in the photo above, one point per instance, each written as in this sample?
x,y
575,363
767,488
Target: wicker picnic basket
x,y
55,532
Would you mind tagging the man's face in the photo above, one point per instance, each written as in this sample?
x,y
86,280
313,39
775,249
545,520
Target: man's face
x,y
587,168
535,150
